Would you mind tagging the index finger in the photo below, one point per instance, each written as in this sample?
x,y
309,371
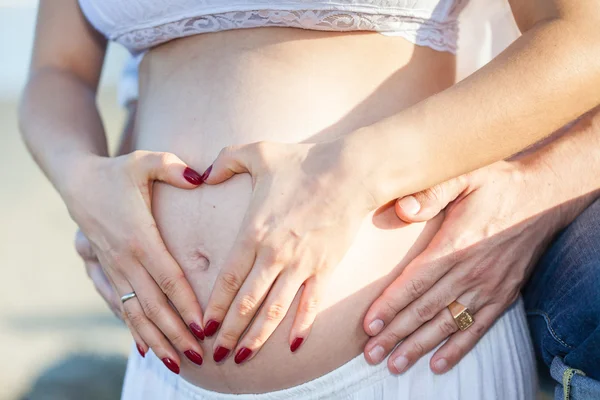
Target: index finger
x,y
416,279
169,276
230,280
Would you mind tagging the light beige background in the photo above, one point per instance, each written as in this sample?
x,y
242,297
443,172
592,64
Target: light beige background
x,y
49,310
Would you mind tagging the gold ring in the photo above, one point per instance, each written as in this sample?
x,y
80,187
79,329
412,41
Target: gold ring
x,y
461,315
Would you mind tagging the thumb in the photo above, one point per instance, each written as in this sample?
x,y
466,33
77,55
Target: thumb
x,y
425,205
232,160
165,167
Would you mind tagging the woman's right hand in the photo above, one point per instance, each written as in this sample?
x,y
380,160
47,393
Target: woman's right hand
x,y
110,200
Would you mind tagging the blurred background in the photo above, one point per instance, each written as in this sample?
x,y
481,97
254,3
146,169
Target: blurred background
x,y
55,331
58,340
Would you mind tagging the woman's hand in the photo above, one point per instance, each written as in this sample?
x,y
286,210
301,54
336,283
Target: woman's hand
x,y
494,231
304,212
110,200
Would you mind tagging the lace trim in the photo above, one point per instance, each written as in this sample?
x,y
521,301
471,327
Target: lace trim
x,y
438,35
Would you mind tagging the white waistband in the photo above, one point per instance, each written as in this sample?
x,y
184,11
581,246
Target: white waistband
x,y
501,366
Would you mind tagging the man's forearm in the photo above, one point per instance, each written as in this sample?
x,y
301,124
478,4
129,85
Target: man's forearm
x,y
567,169
546,78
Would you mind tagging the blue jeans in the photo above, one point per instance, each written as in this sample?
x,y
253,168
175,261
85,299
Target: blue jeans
x,y
562,300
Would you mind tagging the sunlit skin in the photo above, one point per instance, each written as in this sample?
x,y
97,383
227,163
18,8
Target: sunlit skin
x,y
360,145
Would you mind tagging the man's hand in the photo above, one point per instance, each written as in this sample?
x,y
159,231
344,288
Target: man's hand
x,y
495,228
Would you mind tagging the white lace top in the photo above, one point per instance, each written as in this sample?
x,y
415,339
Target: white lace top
x,y
142,24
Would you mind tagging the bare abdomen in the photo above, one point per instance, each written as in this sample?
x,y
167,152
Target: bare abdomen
x,y
205,92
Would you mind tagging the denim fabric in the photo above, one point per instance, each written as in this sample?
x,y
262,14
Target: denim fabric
x,y
574,385
562,300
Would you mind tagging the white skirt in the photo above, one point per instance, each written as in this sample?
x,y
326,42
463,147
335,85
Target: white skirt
x,y
500,367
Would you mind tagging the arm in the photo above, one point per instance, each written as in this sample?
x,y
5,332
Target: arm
x,y
325,190
569,167
58,117
108,198
546,78
501,219
83,245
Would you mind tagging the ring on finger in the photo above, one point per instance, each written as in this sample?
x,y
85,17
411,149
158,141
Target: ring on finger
x,y
461,315
127,296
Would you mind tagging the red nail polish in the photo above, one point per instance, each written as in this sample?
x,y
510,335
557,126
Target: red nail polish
x,y
193,357
172,365
296,343
242,355
197,331
206,173
141,350
220,353
192,176
211,327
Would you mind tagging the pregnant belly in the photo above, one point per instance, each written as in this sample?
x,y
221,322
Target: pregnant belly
x,y
202,93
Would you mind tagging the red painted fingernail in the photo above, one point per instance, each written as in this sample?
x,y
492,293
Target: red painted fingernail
x,y
220,353
192,176
172,365
211,327
141,350
197,331
242,355
296,343
206,173
193,357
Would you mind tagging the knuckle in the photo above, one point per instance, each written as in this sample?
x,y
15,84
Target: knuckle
x,y
169,284
448,327
275,312
261,148
390,305
136,319
151,309
246,305
435,194
230,282
424,312
166,158
255,342
254,233
417,349
134,158
225,151
177,339
309,307
415,288
135,248
219,309
230,336
476,330
271,254
477,272
391,337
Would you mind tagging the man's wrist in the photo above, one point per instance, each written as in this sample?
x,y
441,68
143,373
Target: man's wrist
x,y
555,194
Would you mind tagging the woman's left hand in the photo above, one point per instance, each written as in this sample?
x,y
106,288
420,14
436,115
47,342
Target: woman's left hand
x,y
494,231
289,239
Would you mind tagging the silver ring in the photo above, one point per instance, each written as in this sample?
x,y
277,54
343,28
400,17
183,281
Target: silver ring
x,y
127,296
